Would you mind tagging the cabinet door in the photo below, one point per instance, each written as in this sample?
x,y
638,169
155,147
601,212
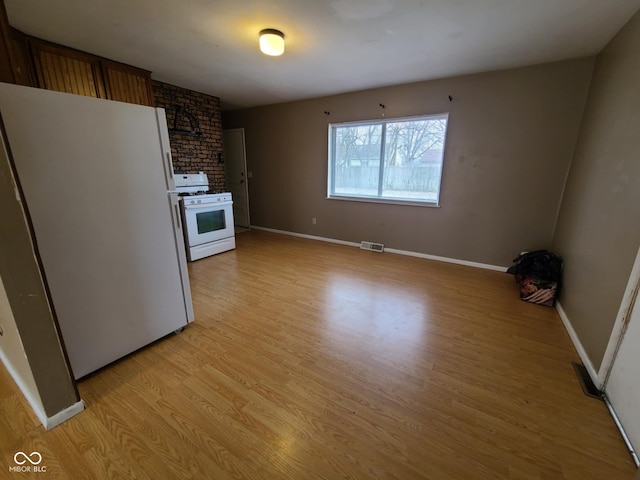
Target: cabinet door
x,y
67,70
127,84
21,58
6,70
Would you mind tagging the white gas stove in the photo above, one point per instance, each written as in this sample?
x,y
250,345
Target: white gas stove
x,y
207,217
191,183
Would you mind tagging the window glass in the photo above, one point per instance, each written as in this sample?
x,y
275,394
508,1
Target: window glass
x,y
210,221
395,159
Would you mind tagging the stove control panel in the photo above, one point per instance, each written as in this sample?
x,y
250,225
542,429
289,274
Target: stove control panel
x,y
207,199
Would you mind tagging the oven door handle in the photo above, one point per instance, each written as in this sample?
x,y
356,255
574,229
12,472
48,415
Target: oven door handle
x,y
207,205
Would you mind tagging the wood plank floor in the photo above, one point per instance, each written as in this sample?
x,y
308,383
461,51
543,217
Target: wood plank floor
x,y
310,360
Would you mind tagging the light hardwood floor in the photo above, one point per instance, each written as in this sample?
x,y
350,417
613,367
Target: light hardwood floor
x,y
310,360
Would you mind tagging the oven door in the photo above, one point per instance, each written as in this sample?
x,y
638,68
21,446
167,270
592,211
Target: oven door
x,y
208,222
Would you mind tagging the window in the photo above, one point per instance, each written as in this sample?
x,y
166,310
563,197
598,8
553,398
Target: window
x,y
396,160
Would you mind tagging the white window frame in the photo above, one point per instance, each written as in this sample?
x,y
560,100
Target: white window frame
x,y
382,199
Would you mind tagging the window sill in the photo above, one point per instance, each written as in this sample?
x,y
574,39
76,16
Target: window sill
x,y
387,201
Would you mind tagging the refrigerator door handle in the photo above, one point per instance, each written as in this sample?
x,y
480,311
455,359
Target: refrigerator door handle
x,y
169,165
178,219
165,146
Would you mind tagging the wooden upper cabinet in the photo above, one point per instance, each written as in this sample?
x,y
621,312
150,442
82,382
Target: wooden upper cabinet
x,y
72,71
127,84
66,70
21,59
30,61
6,66
27,60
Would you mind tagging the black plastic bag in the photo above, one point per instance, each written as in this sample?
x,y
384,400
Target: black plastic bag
x,y
540,263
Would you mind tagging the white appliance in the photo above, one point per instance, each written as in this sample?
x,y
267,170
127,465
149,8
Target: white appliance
x,y
207,218
98,185
192,183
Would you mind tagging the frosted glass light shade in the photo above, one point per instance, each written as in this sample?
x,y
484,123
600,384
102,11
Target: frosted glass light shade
x,y
272,42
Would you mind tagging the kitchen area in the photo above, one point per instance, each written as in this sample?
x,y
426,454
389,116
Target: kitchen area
x,y
195,223
195,135
113,223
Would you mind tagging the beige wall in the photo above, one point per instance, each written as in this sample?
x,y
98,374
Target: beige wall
x,y
598,230
12,350
510,140
31,322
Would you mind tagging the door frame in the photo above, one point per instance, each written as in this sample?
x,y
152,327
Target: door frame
x,y
620,326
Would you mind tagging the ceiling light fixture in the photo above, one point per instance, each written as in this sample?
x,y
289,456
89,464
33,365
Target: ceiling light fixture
x,y
272,42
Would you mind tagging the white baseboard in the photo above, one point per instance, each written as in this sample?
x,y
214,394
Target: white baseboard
x,y
36,403
437,258
389,250
63,415
578,344
302,235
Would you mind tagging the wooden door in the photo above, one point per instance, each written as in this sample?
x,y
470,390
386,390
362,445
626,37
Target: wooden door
x,y
124,83
66,70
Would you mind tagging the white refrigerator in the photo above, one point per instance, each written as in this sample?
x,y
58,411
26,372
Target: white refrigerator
x,y
98,185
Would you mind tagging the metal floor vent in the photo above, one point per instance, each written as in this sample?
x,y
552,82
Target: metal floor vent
x,y
588,387
374,247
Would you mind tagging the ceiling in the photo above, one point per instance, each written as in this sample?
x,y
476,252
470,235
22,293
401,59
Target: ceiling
x,y
332,46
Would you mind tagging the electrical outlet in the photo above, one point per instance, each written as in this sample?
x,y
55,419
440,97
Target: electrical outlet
x,y
313,221
249,174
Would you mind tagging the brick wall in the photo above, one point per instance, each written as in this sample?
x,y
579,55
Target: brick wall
x,y
192,153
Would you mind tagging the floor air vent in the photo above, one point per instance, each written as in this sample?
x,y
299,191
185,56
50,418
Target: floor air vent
x,y
586,383
374,247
